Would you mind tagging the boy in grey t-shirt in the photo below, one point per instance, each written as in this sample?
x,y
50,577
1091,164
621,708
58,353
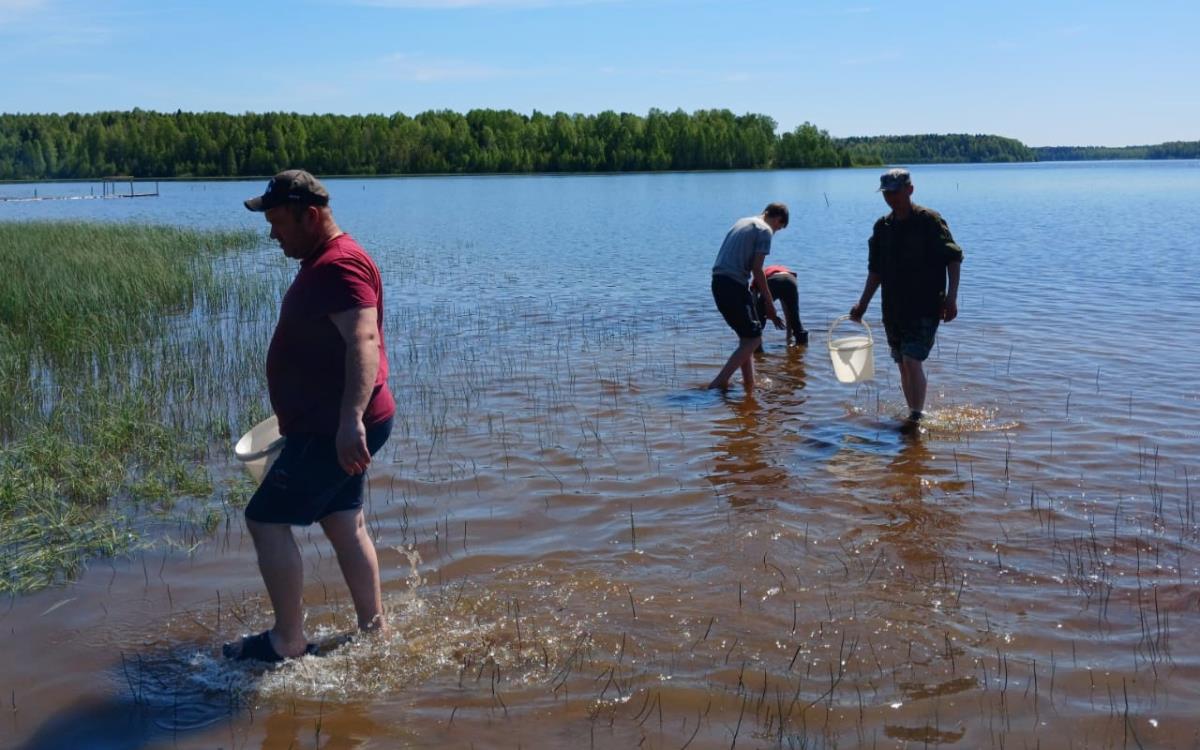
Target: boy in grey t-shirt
x,y
747,238
740,260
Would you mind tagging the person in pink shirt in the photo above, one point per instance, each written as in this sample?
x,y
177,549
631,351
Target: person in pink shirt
x,y
781,281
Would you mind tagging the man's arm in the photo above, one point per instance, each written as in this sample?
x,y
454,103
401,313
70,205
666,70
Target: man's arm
x,y
868,292
359,329
953,254
760,282
950,307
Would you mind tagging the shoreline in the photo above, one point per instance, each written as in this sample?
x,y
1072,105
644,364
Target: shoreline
x,y
433,175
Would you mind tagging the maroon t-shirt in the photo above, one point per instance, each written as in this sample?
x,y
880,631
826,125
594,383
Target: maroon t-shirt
x,y
306,362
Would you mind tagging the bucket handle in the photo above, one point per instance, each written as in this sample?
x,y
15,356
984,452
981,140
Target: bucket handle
x,y
839,321
266,450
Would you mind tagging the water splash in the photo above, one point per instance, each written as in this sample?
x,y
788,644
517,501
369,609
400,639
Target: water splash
x,y
966,418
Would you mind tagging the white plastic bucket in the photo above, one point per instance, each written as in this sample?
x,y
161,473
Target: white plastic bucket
x,y
259,447
853,356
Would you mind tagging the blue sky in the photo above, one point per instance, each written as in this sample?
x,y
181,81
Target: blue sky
x,y
1048,73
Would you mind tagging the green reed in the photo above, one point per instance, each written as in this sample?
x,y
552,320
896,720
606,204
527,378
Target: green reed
x,y
127,352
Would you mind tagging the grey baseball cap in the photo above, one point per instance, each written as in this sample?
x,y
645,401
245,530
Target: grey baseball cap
x,y
292,186
894,179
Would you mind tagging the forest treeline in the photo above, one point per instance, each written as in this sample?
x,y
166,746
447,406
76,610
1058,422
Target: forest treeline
x,y
1170,150
934,149
140,143
151,144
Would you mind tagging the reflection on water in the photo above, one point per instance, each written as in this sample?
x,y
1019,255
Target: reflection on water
x,y
919,525
612,556
747,461
740,472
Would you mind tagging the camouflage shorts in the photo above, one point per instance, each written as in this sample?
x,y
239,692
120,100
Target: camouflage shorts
x,y
911,338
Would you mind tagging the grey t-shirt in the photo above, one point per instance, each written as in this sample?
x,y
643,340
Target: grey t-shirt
x,y
748,237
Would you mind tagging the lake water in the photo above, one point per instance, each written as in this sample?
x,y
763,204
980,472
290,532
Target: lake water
x,y
582,547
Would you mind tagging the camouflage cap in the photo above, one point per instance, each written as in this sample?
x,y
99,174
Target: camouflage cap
x,y
894,179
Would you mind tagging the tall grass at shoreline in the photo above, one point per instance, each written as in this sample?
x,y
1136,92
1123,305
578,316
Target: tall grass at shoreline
x,y
118,373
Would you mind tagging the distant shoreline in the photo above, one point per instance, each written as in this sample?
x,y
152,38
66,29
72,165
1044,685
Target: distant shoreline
x,y
143,145
438,175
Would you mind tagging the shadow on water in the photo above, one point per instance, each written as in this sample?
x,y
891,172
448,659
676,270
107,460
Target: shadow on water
x,y
156,696
850,442
695,398
99,723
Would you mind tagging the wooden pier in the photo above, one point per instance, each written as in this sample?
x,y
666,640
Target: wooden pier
x,y
110,187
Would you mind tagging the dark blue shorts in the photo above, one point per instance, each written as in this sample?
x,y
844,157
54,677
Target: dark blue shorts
x,y
306,483
911,338
737,306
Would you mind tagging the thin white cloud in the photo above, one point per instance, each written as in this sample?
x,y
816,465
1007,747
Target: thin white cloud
x,y
36,26
686,74
71,79
676,72
461,4
16,10
418,69
882,57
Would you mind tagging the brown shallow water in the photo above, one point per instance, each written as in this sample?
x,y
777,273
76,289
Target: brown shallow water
x,y
582,547
584,556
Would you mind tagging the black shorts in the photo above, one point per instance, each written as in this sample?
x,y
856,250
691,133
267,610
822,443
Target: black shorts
x,y
737,306
306,483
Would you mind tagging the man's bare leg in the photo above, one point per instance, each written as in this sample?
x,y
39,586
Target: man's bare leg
x,y
913,383
283,573
356,556
748,370
740,355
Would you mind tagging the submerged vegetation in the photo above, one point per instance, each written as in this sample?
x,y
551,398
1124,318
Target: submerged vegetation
x,y
117,375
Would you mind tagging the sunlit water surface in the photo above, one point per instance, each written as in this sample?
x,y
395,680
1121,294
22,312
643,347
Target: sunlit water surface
x,y
582,547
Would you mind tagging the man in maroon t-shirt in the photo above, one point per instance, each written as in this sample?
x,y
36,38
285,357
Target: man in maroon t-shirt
x,y
327,378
